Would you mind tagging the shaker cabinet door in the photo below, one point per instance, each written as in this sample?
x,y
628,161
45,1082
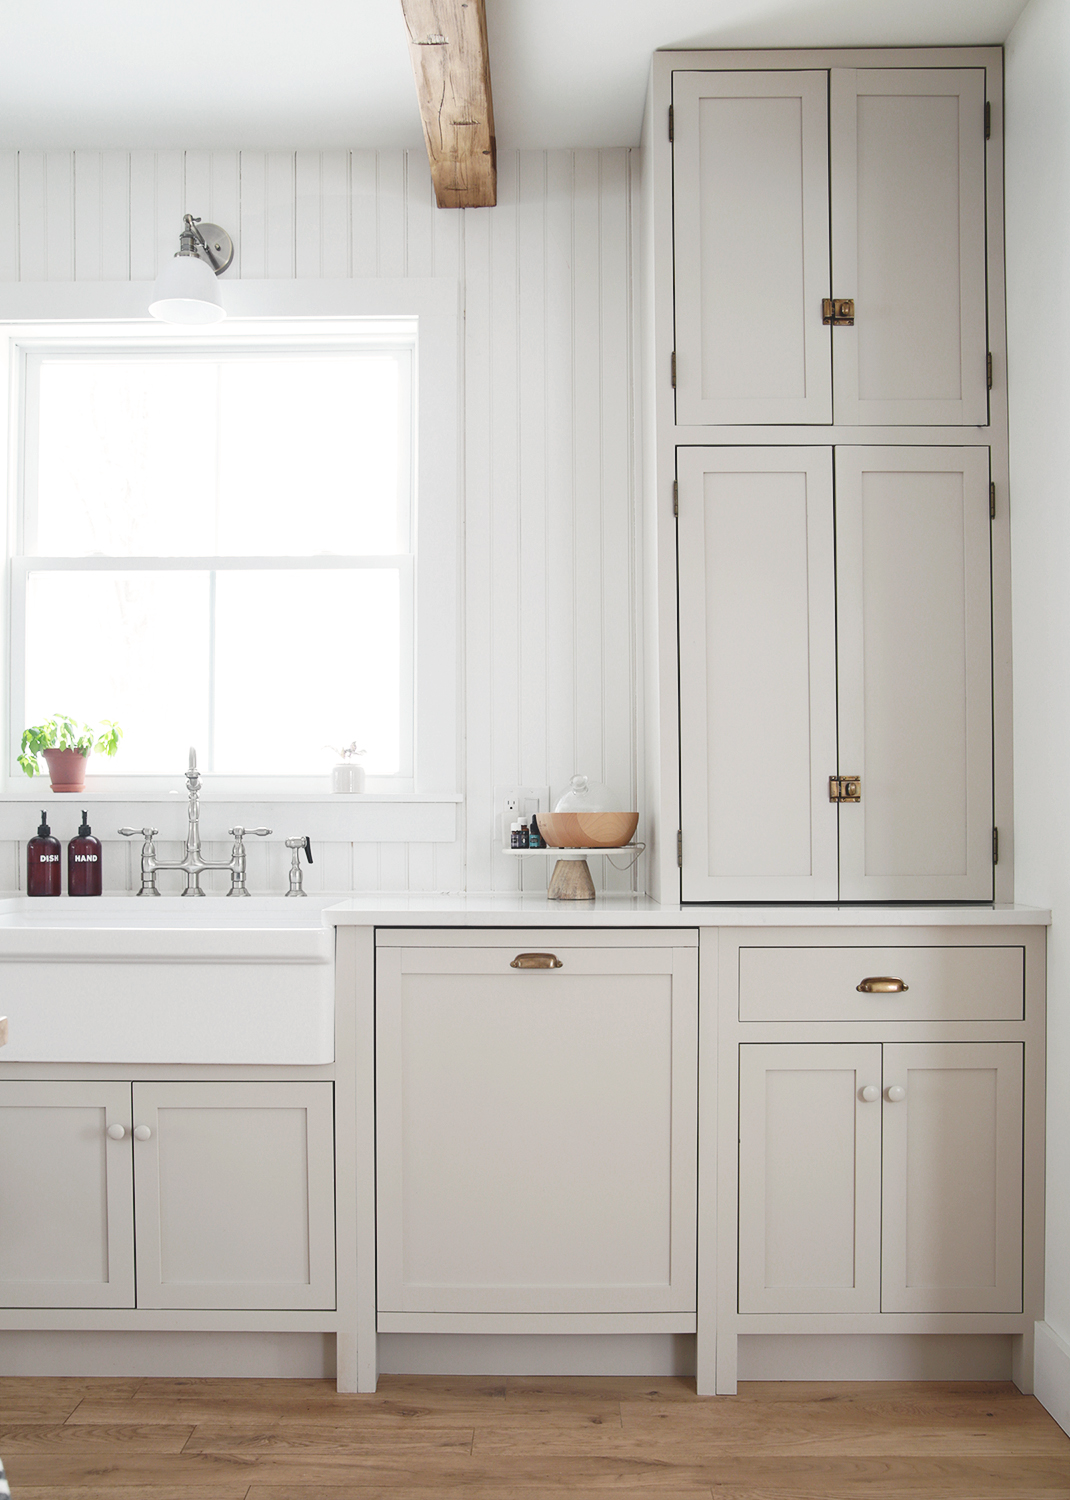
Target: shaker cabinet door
x,y
914,633
757,674
952,1219
809,1177
750,177
235,1195
907,150
66,1195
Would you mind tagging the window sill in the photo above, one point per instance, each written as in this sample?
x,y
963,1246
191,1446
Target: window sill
x,y
367,817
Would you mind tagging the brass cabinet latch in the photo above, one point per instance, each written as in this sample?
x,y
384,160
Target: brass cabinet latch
x,y
839,311
845,788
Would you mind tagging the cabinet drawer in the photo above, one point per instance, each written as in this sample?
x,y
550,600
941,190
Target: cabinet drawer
x,y
942,984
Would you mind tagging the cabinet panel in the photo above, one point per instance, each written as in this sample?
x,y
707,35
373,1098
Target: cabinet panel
x,y
66,1196
750,166
952,1215
235,1195
536,1134
809,1175
908,244
757,674
914,618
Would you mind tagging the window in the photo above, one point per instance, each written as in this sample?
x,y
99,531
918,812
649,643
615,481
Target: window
x,y
213,546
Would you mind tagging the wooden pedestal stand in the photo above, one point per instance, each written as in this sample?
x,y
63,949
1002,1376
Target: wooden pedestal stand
x,y
571,881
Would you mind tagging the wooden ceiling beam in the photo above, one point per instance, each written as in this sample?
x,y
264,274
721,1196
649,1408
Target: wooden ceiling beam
x,y
448,46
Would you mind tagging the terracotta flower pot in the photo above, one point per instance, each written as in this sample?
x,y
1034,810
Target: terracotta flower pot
x,y
66,769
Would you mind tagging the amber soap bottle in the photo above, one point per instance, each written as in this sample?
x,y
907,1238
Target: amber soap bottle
x,y
83,862
43,862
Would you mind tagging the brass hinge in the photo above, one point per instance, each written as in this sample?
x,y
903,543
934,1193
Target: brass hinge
x,y
679,849
992,500
988,121
839,311
670,122
674,369
676,497
845,788
995,846
990,369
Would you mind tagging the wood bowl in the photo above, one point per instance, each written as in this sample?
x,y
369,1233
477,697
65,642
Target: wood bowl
x,y
588,830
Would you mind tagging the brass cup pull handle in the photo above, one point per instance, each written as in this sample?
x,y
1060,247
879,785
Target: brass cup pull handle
x,y
536,961
880,984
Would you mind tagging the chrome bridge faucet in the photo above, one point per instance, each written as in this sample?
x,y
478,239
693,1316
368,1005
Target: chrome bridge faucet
x,y
192,865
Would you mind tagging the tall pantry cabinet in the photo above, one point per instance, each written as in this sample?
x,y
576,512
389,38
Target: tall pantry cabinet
x,y
825,449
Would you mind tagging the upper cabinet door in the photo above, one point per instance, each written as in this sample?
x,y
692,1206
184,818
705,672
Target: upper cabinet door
x,y
914,639
750,192
908,245
757,674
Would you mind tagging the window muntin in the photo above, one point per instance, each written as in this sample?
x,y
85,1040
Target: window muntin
x,y
216,550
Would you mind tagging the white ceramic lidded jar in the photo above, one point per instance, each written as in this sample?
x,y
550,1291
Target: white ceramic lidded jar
x,y
347,776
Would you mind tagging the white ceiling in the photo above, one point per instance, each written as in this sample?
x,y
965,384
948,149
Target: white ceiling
x,y
197,73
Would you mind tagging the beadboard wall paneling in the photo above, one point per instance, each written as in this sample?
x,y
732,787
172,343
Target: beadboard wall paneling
x,y
550,665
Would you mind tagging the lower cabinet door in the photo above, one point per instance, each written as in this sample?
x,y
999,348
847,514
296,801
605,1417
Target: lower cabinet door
x,y
66,1199
536,1129
952,1219
809,1177
235,1195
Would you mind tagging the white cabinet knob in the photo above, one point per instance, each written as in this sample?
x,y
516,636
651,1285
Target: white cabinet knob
x,y
895,1095
117,1132
871,1093
142,1133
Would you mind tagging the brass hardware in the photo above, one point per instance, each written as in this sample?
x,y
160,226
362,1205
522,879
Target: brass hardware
x,y
880,984
674,369
992,500
990,371
839,311
536,961
988,122
845,788
995,846
676,497
671,124
679,849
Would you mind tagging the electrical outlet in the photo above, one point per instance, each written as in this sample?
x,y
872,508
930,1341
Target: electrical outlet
x,y
513,802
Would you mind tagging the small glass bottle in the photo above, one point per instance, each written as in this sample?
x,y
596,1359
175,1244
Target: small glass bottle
x,y
514,834
83,862
523,837
43,863
535,838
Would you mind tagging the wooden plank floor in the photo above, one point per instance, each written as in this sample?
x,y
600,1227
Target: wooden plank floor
x,y
525,1439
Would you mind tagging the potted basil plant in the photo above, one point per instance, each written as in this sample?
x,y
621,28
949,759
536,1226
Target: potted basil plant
x,y
66,745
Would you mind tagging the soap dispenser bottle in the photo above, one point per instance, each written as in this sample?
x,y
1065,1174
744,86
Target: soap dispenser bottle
x,y
83,862
43,862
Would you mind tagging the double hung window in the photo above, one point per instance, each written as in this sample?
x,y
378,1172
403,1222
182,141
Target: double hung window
x,y
214,546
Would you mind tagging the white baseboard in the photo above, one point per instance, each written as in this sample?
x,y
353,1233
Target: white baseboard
x,y
536,1354
1051,1374
899,1356
187,1356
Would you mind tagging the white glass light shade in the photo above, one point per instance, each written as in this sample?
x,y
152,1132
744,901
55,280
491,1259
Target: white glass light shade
x,y
187,291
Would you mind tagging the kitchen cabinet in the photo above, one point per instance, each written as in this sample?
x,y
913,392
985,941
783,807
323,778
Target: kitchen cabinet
x,y
880,1177
536,1130
879,1144
226,1190
835,621
799,185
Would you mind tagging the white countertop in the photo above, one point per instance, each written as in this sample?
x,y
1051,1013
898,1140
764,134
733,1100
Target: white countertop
x,y
499,909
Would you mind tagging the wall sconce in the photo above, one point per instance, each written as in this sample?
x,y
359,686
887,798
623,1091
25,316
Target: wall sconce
x,y
186,290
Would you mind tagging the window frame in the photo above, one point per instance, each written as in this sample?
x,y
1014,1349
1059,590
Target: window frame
x,y
41,317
